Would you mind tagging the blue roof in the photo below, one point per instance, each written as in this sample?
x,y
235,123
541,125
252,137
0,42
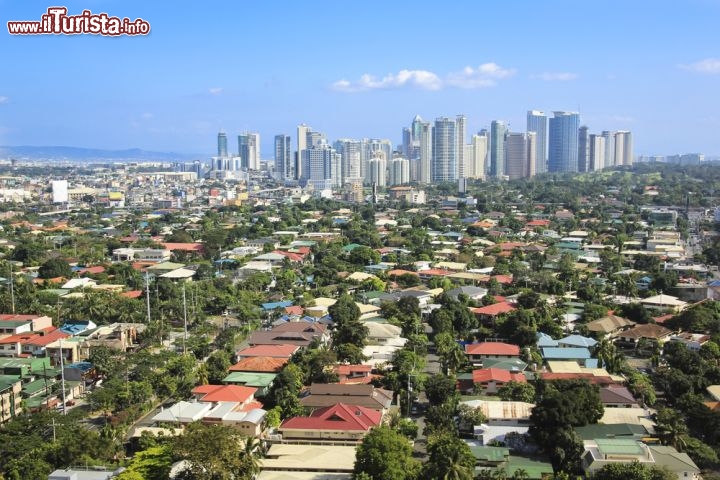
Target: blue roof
x,y
545,340
578,341
84,366
567,353
75,327
714,283
591,363
274,305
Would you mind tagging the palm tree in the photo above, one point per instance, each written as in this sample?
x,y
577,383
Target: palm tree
x,y
520,474
672,428
250,456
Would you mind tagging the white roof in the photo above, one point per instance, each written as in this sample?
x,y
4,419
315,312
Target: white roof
x,y
179,273
310,458
663,299
183,412
78,283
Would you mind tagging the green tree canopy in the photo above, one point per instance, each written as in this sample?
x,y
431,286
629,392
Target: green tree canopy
x,y
385,454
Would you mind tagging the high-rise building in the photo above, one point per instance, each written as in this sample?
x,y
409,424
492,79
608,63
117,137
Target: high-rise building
x,y
497,148
609,149
399,171
426,153
520,151
317,169
460,135
302,131
284,167
407,142
249,150
563,142
370,149
444,145
377,171
222,144
537,122
596,152
351,154
583,149
475,156
623,148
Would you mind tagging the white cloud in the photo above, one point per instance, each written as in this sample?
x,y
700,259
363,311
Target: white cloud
x,y
412,78
485,75
4,100
555,76
147,115
215,91
709,65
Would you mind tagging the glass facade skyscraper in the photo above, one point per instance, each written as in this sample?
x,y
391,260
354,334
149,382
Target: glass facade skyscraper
x,y
563,151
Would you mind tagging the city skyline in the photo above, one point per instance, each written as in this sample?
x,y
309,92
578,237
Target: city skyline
x,y
185,81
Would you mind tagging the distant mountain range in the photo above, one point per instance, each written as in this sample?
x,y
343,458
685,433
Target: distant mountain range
x,y
90,154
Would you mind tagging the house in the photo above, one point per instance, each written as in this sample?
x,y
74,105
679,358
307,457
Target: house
x,y
648,331
489,313
240,395
259,364
693,341
491,379
248,421
307,462
664,302
353,373
500,412
617,396
473,293
335,422
261,381
609,325
477,352
384,334
581,355
320,395
577,341
300,334
10,397
604,451
275,351
95,473
12,324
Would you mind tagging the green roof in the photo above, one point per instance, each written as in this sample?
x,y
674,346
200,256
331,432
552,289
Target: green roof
x,y
34,387
619,446
535,468
352,246
601,430
505,363
250,379
7,381
490,454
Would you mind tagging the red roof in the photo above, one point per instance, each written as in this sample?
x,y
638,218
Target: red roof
x,y
11,317
49,335
259,364
350,369
538,223
492,348
398,271
277,351
132,294
494,309
185,247
496,375
92,270
435,272
294,310
224,393
503,279
336,417
293,257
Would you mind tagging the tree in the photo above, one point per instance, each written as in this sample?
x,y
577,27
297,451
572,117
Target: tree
x,y
151,464
214,452
440,388
469,417
347,327
218,364
385,454
55,267
671,426
632,471
517,391
450,458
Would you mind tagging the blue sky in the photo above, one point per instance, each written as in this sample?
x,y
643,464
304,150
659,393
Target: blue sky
x,y
362,69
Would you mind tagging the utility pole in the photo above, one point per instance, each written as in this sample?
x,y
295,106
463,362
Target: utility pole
x,y
62,378
184,321
12,288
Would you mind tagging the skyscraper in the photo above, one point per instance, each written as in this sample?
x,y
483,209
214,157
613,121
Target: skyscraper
x,y
444,145
249,150
377,171
399,171
302,131
583,149
351,155
563,151
497,148
609,149
370,149
426,153
623,148
537,122
596,152
318,160
475,156
284,167
520,150
460,146
222,144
